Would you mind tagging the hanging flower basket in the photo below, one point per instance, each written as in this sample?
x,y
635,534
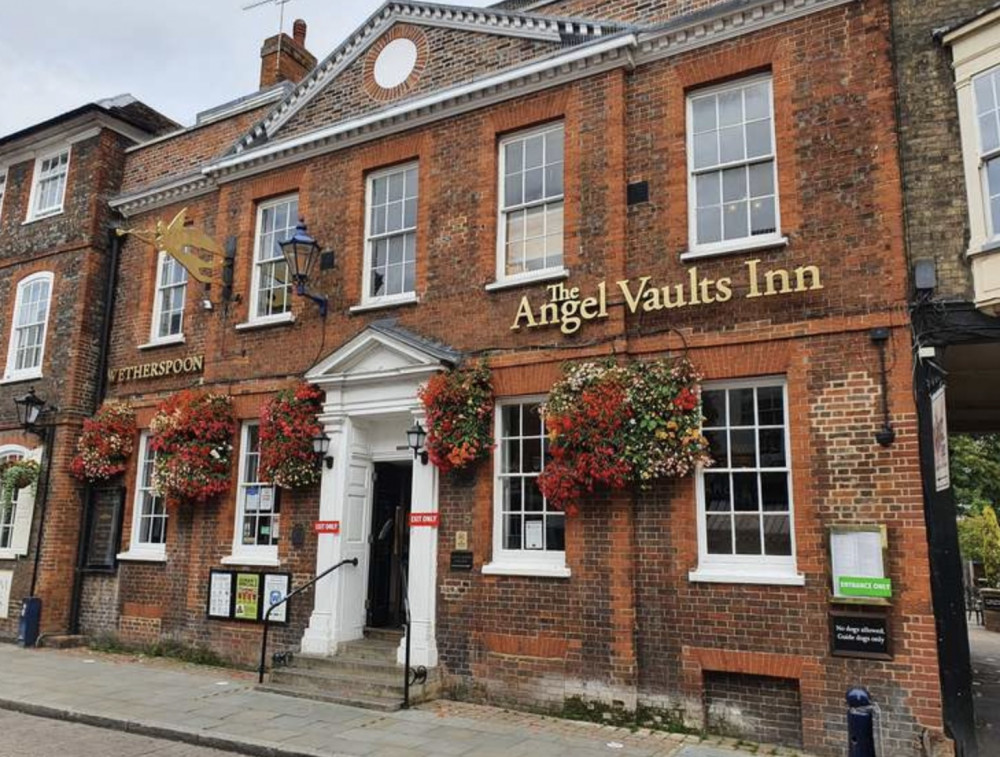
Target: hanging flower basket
x,y
459,407
615,425
105,444
16,475
192,437
287,427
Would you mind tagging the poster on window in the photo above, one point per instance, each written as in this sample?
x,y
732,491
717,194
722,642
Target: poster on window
x,y
247,596
266,499
939,417
220,595
252,504
276,589
6,579
533,536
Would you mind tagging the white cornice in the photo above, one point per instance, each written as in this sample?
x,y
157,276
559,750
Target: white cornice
x,y
622,50
971,26
488,20
88,126
575,64
681,35
143,200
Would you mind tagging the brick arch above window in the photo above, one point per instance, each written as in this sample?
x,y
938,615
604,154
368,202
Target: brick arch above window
x,y
398,32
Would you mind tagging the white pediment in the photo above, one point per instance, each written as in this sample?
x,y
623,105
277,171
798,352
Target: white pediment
x,y
372,355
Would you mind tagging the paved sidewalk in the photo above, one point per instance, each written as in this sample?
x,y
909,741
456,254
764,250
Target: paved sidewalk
x,y
220,708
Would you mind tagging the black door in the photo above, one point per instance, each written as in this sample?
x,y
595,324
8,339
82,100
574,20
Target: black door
x,y
390,544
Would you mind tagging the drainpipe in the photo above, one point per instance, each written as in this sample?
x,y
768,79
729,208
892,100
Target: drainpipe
x,y
115,248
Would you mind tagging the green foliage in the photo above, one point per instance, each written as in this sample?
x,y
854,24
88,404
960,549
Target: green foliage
x,y
979,541
975,471
176,650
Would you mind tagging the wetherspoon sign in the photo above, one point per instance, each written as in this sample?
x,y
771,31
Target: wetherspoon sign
x,y
180,366
569,309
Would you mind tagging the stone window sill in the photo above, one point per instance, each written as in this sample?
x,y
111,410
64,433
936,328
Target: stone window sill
x,y
282,320
388,302
735,247
529,569
747,575
165,342
132,556
260,561
555,274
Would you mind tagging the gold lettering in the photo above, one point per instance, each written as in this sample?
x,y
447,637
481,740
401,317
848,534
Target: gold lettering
x,y
724,291
548,314
800,278
706,298
602,294
113,375
652,301
773,276
178,365
754,283
679,290
587,308
199,362
570,320
188,365
524,311
633,301
693,277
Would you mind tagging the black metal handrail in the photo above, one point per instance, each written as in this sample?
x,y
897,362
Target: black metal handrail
x,y
420,674
267,615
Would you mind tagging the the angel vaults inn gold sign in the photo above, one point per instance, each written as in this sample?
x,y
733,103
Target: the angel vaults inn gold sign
x,y
568,309
178,239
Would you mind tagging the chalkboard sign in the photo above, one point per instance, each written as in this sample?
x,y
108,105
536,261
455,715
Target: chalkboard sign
x,y
856,635
104,525
461,561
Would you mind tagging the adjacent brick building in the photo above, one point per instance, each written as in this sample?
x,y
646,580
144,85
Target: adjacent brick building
x,y
459,163
55,180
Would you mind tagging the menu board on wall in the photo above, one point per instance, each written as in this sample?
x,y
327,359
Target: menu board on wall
x,y
275,590
220,594
247,596
857,556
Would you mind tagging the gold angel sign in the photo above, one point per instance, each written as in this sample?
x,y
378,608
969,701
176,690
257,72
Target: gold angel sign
x,y
177,239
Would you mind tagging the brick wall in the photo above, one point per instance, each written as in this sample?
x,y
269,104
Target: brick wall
x,y
931,150
628,626
757,708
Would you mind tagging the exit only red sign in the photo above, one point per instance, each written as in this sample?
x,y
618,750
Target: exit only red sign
x,y
430,520
327,526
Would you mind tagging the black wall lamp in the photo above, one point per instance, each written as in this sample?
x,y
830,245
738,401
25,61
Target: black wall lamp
x,y
29,409
321,448
415,436
302,253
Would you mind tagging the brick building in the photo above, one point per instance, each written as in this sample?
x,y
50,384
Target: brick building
x,y
55,180
947,68
461,165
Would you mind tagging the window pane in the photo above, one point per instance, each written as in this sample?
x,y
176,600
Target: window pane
x,y
533,179
512,532
719,534
555,532
717,492
762,179
706,150
703,114
713,406
758,139
747,535
514,157
774,487
707,190
758,101
741,407
745,492
718,447
709,225
777,535
735,220
770,406
554,145
513,190
762,216
731,107
743,450
534,151
772,448
731,144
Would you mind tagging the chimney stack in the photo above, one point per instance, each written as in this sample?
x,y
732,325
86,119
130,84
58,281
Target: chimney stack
x,y
284,58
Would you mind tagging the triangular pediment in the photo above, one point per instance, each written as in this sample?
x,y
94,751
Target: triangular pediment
x,y
479,42
382,350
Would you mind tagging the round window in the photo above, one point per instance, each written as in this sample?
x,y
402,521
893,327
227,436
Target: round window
x,y
395,63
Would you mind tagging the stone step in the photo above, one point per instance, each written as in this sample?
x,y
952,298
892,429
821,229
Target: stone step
x,y
360,666
395,635
339,684
351,700
366,649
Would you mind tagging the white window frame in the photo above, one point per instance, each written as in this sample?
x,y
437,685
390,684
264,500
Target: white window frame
x,y
8,552
517,562
36,179
984,158
11,374
253,318
155,337
4,175
751,242
144,551
552,272
387,299
748,569
265,555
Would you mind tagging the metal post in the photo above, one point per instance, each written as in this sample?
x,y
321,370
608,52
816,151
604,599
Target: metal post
x,y
860,724
409,635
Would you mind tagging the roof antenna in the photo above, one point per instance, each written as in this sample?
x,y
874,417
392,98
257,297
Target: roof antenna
x,y
281,25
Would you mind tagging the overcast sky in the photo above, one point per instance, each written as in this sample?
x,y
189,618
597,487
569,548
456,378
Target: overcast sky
x,y
178,56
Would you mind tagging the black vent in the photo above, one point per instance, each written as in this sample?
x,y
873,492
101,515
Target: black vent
x,y
638,193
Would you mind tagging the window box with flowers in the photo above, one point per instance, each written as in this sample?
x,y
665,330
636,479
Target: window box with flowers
x,y
459,406
288,426
615,426
192,437
106,443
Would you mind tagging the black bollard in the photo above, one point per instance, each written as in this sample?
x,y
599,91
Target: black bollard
x,y
860,723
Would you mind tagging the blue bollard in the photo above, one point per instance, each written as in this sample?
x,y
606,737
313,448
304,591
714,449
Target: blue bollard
x,y
860,723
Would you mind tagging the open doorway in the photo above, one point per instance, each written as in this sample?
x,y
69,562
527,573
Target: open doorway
x,y
390,544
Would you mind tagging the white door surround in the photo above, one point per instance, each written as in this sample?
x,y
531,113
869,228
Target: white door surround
x,y
371,388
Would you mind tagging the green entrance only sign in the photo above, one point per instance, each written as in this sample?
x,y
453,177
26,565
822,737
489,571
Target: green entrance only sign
x,y
853,586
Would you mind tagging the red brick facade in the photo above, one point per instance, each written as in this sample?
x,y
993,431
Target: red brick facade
x,y
628,625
